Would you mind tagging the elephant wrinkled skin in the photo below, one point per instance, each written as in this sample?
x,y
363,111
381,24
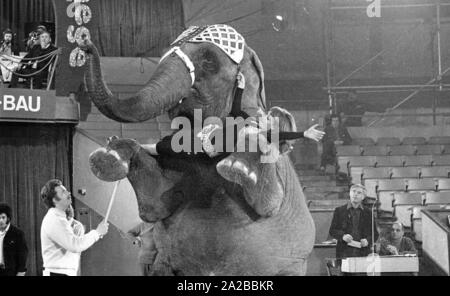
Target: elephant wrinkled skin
x,y
229,215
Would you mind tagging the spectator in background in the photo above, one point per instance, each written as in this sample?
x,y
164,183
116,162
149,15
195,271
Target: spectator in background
x,y
33,37
395,243
335,134
352,226
7,45
142,236
8,48
40,67
13,247
352,107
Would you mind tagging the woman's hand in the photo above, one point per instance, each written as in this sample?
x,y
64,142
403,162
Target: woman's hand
x,y
314,134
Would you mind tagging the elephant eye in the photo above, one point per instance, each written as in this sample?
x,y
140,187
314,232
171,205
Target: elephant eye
x,y
209,66
209,61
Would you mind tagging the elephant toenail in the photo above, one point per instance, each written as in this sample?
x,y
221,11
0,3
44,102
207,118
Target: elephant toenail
x,y
225,162
253,177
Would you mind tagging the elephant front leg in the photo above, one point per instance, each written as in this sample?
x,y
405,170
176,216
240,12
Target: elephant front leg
x,y
260,181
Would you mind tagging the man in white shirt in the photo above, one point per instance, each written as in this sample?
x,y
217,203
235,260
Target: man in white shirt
x,y
58,240
78,230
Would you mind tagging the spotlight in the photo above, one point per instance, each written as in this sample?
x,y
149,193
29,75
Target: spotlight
x,y
279,24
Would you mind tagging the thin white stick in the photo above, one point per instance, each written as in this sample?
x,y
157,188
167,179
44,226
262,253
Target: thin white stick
x,y
111,201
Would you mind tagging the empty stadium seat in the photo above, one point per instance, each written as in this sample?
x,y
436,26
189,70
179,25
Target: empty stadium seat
x,y
389,141
348,150
446,149
402,150
439,140
345,162
441,159
421,184
375,150
386,198
437,198
405,172
403,206
388,161
356,174
416,223
429,149
376,173
418,160
414,141
363,141
364,161
435,171
443,184
374,186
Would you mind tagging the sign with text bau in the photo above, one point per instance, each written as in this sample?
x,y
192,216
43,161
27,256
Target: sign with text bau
x,y
27,104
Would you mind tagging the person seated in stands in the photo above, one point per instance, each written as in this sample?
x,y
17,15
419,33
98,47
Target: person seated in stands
x,y
395,243
335,134
352,108
38,67
33,37
8,48
352,226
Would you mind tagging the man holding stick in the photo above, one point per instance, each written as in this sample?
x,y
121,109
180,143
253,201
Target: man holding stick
x,y
58,239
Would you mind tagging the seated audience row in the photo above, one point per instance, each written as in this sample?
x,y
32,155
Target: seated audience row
x,y
34,66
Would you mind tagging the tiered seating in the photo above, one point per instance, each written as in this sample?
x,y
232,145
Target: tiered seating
x,y
363,141
348,150
434,172
405,172
439,140
414,141
375,150
405,176
437,198
429,149
389,141
403,202
403,150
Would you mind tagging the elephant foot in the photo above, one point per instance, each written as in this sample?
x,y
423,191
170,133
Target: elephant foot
x,y
262,190
237,170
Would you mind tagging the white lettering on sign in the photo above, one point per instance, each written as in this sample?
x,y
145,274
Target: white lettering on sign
x,y
374,8
10,103
83,15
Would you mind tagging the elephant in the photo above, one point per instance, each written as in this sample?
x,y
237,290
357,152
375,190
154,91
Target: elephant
x,y
228,215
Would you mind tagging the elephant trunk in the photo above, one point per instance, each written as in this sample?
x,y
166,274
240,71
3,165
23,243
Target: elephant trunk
x,y
169,84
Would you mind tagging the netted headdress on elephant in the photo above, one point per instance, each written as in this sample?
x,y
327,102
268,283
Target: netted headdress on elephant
x,y
233,45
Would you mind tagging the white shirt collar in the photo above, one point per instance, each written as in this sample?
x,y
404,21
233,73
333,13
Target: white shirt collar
x,y
6,230
58,212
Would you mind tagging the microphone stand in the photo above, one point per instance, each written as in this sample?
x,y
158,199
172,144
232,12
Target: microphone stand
x,y
373,234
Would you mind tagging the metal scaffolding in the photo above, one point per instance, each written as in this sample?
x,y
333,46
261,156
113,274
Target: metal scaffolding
x,y
434,84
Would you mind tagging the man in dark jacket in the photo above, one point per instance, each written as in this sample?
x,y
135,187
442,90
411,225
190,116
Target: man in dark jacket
x,y
13,248
34,66
352,226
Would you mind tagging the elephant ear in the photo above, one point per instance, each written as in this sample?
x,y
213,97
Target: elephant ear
x,y
253,97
